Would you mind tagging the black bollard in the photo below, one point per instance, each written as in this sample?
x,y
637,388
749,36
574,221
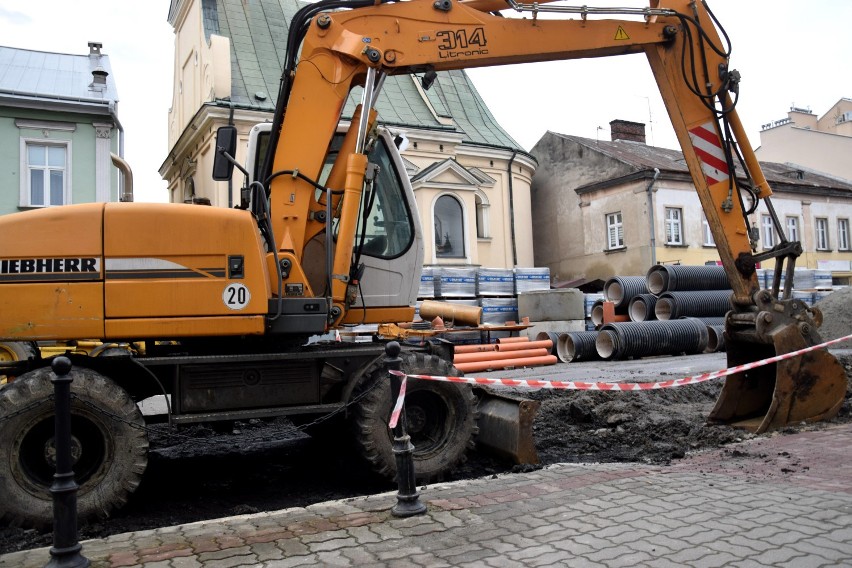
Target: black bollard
x,y
407,498
65,552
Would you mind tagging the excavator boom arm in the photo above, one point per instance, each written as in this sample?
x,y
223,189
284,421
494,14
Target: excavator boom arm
x,y
358,47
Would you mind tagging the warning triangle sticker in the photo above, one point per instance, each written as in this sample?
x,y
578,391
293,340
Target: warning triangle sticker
x,y
620,34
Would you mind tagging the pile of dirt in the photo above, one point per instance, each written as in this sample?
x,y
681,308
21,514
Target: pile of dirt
x,y
837,314
269,465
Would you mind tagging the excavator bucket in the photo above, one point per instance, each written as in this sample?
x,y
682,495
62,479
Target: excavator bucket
x,y
505,425
804,388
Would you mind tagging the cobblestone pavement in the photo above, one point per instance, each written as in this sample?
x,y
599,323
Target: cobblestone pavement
x,y
784,500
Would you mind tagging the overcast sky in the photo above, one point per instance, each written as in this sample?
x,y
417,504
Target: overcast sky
x,y
788,52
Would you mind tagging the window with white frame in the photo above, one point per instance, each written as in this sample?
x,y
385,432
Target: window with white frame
x,y
674,226
821,233
793,228
708,241
614,231
482,231
449,228
767,231
843,234
46,174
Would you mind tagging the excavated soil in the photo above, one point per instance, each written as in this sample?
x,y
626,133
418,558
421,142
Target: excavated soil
x,y
271,465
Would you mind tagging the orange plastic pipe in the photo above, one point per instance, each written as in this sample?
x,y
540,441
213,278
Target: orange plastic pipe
x,y
545,343
512,339
474,348
495,355
502,364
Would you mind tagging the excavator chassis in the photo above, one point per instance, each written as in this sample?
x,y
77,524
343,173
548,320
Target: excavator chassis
x,y
805,388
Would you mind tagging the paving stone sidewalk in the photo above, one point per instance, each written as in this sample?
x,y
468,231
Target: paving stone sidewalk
x,y
784,500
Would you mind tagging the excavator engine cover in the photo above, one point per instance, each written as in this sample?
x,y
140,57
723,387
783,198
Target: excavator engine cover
x,y
804,388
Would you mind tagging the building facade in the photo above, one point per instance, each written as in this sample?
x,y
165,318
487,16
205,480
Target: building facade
x,y
810,143
471,180
617,208
59,122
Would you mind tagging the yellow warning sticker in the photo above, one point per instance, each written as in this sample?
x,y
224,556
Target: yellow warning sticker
x,y
620,34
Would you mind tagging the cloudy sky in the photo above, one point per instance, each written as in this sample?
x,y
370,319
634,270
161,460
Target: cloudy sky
x,y
788,52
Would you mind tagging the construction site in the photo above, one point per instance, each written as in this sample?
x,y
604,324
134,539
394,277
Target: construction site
x,y
262,465
361,282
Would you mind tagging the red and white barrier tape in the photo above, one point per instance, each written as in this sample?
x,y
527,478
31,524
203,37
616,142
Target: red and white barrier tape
x,y
601,386
397,409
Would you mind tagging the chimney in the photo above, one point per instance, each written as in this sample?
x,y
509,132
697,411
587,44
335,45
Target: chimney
x,y
626,130
99,74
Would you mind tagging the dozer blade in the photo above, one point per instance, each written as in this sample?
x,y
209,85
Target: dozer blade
x,y
505,425
804,388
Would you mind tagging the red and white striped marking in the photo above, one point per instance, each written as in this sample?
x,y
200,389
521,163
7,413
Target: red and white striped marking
x,y
600,386
708,147
397,409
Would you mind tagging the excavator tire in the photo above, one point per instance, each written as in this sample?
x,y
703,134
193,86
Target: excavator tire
x,y
441,419
16,351
109,454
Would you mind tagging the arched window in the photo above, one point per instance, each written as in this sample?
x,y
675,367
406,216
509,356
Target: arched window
x,y
449,228
482,231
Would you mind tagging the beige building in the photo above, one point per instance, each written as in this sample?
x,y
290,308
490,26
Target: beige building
x,y
471,180
617,208
811,143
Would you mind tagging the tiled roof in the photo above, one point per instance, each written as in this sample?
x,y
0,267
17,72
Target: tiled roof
x,y
42,74
643,157
257,59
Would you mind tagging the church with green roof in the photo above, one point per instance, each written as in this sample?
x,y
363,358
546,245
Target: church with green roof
x,y
470,177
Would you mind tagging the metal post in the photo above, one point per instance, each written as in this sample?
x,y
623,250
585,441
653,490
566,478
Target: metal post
x,y
65,552
408,498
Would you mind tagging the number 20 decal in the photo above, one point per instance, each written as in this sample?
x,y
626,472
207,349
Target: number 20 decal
x,y
236,296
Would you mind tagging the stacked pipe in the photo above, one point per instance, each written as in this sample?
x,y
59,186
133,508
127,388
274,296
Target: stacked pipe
x,y
665,295
647,338
618,290
507,352
641,307
695,303
577,346
676,277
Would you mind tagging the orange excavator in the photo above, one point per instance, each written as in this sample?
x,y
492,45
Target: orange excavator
x,y
213,307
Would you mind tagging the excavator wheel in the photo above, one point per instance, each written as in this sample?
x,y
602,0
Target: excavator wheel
x,y
441,419
16,351
109,453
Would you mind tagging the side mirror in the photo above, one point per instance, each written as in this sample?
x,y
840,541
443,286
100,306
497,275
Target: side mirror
x,y
226,147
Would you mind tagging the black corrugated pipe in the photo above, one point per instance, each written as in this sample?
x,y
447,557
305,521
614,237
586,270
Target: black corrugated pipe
x,y
552,336
577,346
641,307
709,321
621,289
649,338
677,277
716,339
606,344
697,303
596,313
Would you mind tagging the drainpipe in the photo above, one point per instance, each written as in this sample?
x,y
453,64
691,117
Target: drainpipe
x,y
649,190
230,179
125,193
127,179
512,210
